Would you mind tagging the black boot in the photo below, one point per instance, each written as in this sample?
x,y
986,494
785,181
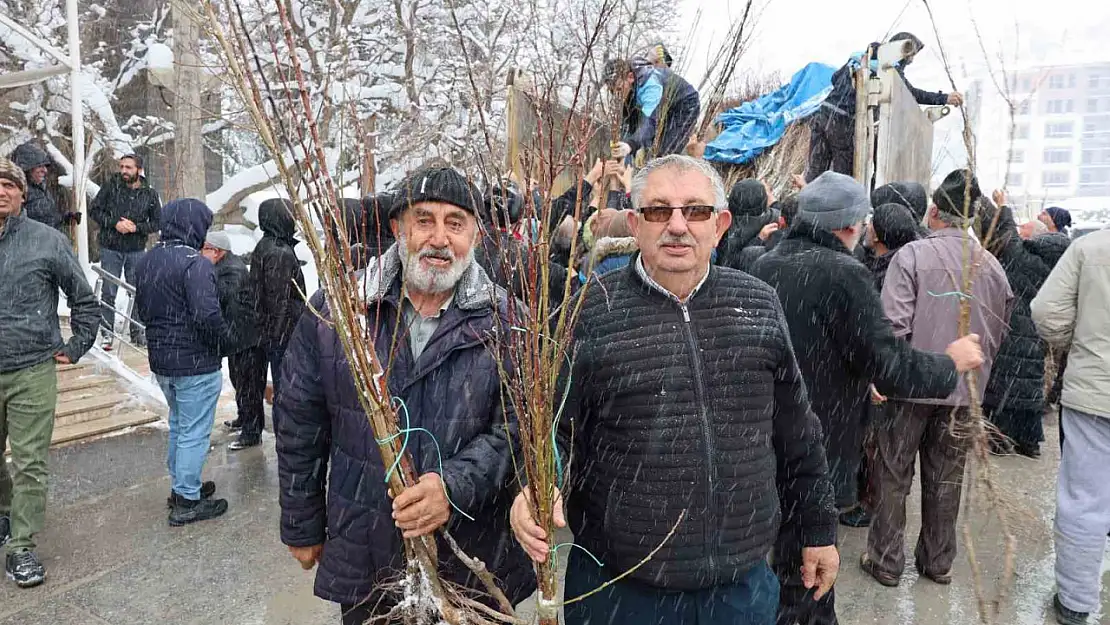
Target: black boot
x,y
1065,616
207,489
24,568
233,425
244,442
5,530
856,517
186,511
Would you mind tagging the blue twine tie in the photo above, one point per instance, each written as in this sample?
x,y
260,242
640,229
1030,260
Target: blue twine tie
x,y
396,461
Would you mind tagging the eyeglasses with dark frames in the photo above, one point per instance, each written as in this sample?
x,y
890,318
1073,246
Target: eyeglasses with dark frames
x,y
662,214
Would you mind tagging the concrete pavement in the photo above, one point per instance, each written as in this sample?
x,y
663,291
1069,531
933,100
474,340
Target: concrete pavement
x,y
113,560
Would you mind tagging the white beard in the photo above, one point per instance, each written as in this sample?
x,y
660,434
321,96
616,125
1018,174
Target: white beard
x,y
425,279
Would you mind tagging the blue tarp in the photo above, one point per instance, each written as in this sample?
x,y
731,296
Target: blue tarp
x,y
757,125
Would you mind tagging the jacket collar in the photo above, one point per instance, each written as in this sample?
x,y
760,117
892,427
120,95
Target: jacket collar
x,y
11,224
640,271
947,232
823,238
473,292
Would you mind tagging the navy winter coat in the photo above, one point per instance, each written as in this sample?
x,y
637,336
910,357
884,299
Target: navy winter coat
x,y
452,390
176,297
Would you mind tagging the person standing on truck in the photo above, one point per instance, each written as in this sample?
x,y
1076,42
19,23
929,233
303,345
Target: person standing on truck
x,y
660,107
833,128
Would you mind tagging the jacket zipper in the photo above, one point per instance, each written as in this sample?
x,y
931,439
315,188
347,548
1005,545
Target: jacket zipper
x,y
707,434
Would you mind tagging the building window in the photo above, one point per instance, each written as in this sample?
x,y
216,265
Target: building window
x,y
1055,178
1096,127
1057,155
1093,81
1071,81
1026,84
1094,176
1021,131
1096,156
1059,107
1014,180
1056,82
1017,156
1022,108
1092,105
1058,130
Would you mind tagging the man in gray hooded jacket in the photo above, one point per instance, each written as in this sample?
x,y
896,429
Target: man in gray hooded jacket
x,y
37,261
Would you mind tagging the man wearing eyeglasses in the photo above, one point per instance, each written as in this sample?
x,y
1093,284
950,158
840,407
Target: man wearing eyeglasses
x,y
687,428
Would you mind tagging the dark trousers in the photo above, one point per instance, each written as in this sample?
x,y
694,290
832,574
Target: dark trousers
x,y
360,614
866,483
120,265
909,429
250,389
832,144
796,604
274,356
752,600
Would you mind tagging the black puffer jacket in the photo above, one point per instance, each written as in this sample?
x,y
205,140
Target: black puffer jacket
x,y
697,407
845,343
1049,247
1017,377
276,275
38,205
237,305
741,245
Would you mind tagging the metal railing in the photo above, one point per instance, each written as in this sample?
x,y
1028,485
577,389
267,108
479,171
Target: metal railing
x,y
130,323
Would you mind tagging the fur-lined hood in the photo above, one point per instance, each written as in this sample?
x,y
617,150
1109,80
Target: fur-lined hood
x,y
607,247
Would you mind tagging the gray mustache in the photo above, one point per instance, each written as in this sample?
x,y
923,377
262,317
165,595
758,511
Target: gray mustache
x,y
670,239
443,254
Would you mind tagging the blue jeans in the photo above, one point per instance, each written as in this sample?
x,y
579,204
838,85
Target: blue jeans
x,y
192,400
120,265
752,600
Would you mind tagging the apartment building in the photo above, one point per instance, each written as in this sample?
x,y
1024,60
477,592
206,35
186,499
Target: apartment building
x,y
1060,144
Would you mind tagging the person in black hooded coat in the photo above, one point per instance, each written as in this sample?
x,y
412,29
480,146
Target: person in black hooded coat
x,y
39,204
742,245
1014,399
278,283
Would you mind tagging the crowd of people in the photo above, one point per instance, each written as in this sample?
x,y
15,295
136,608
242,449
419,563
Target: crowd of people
x,y
748,373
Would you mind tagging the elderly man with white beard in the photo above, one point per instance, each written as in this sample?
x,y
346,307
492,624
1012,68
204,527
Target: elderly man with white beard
x,y
432,310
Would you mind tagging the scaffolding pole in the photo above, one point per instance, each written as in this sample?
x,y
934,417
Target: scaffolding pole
x,y
77,122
